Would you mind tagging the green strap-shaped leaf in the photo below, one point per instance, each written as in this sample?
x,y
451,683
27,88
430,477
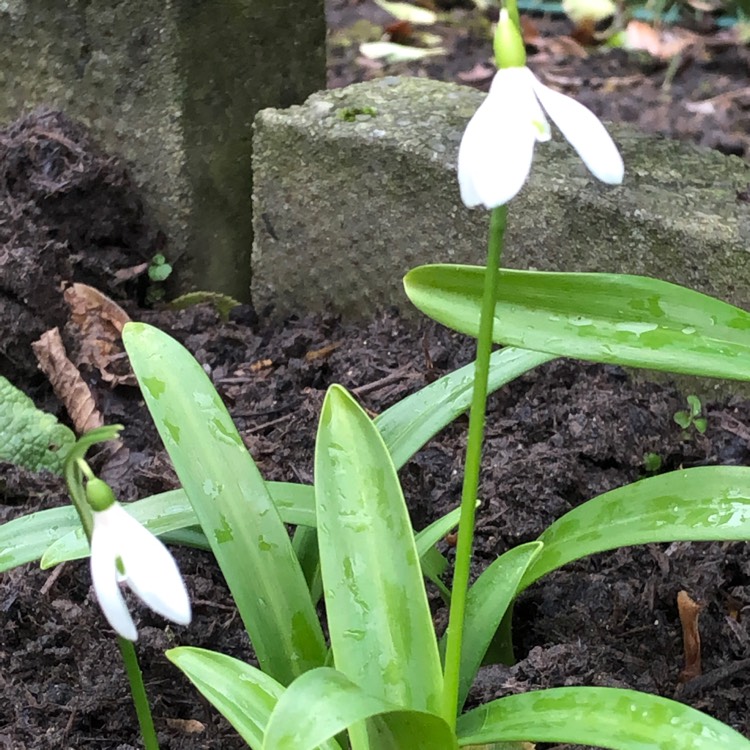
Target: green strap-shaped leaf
x,y
603,717
25,538
707,503
381,630
324,702
230,499
410,423
627,320
244,695
487,601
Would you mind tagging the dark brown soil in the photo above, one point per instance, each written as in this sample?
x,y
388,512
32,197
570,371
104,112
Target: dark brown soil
x,y
556,437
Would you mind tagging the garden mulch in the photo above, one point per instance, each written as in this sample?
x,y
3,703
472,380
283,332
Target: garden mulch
x,y
558,436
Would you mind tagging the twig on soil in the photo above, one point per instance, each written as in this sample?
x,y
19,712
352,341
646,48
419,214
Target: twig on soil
x,y
735,427
376,385
51,579
273,422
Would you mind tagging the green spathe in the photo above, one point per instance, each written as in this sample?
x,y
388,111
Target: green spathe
x,y
508,43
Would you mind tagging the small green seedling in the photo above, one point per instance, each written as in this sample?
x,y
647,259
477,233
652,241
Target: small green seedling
x,y
691,417
652,462
159,269
158,272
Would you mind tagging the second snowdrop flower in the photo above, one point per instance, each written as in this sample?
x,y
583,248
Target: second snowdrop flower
x,y
124,551
497,147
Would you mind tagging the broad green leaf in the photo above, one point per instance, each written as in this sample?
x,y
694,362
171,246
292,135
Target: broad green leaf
x,y
244,695
233,506
30,437
305,543
410,423
379,620
324,702
707,503
487,601
603,717
627,320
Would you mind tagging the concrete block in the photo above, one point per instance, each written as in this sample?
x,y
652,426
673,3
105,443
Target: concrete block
x,y
173,87
358,185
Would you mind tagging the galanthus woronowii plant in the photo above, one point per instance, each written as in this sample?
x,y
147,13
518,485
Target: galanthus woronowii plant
x,y
383,677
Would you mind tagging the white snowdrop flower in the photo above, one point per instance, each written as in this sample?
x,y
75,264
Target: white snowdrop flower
x,y
122,550
497,147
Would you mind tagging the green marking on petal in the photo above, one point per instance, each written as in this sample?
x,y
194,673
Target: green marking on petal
x,y
541,126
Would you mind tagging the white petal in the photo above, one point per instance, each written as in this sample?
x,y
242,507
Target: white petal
x,y
104,574
152,573
585,132
497,147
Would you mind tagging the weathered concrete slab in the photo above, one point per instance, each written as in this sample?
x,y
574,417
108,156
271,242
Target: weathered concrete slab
x,y
173,87
358,185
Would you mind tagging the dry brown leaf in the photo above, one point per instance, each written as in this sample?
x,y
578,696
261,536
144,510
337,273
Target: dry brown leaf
x,y
480,73
322,353
67,382
559,48
100,321
662,44
133,272
261,364
689,610
187,726
400,32
529,31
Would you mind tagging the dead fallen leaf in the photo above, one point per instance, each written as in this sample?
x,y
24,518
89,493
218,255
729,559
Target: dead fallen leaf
x,y
133,272
688,611
186,726
67,382
662,44
100,321
584,32
480,73
322,353
529,31
400,32
261,364
560,48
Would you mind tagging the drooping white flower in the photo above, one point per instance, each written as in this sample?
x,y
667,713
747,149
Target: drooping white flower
x,y
497,147
124,551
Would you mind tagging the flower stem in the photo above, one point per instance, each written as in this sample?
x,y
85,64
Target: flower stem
x,y
138,691
512,7
471,471
76,471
